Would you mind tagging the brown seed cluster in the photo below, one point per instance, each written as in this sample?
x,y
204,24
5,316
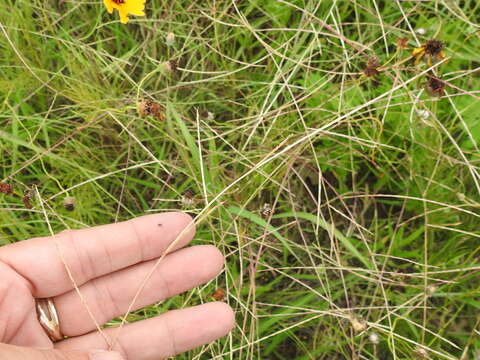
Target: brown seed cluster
x,y
218,294
188,199
435,86
170,66
430,51
188,194
27,198
6,188
434,48
173,65
266,211
402,43
151,108
371,69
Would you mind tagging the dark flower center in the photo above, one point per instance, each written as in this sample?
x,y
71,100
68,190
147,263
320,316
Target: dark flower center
x,y
119,2
434,47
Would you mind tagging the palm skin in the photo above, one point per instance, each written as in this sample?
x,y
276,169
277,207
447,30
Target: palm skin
x,y
108,263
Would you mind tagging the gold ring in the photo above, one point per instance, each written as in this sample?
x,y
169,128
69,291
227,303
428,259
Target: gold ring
x,y
48,318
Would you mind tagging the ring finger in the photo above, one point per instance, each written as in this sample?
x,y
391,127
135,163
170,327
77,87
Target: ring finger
x,y
163,336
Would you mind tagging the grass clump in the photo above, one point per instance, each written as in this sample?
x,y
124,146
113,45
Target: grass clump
x,y
365,152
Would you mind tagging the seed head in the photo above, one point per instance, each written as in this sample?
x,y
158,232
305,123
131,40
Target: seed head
x,y
27,197
170,39
358,324
187,198
170,66
218,294
430,290
150,108
374,338
69,203
435,86
371,67
434,48
402,43
421,353
6,188
266,210
423,114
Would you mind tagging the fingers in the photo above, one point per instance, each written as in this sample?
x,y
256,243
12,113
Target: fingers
x,y
12,352
164,336
110,296
18,323
94,252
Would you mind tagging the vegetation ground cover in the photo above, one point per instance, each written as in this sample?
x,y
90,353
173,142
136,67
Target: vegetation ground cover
x,y
337,172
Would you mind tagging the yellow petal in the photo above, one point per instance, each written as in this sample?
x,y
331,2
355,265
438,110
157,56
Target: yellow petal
x,y
418,51
134,7
138,12
123,17
108,5
418,58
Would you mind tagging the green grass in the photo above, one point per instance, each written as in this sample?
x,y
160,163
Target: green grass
x,y
375,209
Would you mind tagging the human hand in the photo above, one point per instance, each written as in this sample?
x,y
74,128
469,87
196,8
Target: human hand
x,y
108,263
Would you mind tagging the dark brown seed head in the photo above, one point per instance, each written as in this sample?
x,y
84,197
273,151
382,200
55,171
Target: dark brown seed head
x,y
173,65
27,197
433,48
371,72
188,194
26,202
435,86
371,67
69,203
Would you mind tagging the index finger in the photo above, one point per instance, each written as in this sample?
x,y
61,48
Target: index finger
x,y
93,252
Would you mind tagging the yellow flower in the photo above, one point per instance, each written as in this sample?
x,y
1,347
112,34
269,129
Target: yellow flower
x,y
125,7
433,50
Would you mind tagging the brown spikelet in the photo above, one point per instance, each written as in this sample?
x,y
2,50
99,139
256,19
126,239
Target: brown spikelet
x,y
218,294
27,198
151,108
371,67
435,86
6,188
402,43
69,203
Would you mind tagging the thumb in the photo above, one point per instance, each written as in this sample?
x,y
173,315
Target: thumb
x,y
12,352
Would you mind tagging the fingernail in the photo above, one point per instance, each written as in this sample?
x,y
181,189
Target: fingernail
x,y
105,355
